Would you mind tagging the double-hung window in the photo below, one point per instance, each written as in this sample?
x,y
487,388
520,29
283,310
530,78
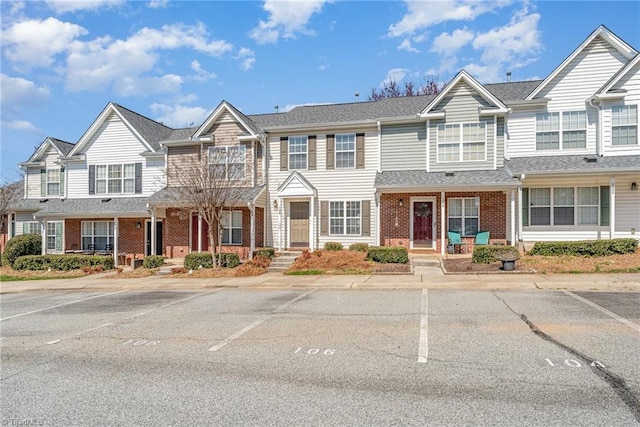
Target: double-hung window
x,y
345,150
298,152
574,129
566,205
547,131
54,235
31,227
53,182
462,142
464,215
115,179
228,162
624,125
555,134
344,218
231,227
97,235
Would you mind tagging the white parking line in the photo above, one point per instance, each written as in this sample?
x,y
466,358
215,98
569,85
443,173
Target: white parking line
x,y
257,322
423,351
62,305
605,311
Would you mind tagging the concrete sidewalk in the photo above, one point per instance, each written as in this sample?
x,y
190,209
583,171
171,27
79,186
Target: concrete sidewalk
x,y
424,279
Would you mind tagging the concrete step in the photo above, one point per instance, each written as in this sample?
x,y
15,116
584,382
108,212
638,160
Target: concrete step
x,y
283,261
426,262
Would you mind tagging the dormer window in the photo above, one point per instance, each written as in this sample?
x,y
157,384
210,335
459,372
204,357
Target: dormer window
x,y
53,182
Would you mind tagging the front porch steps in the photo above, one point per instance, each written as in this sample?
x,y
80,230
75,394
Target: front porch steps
x,y
283,261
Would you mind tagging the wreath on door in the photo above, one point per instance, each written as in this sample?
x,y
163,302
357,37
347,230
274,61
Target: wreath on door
x,y
422,210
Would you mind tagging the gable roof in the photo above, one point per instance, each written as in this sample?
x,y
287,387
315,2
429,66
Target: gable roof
x,y
148,131
615,79
603,32
466,77
215,114
62,147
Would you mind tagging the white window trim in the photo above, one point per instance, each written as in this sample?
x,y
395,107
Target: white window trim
x,y
122,178
289,153
110,233
637,125
561,131
31,225
335,154
230,227
575,207
227,163
55,239
345,217
463,216
460,143
49,181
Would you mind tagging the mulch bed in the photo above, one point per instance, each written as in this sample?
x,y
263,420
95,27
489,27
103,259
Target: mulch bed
x,y
464,265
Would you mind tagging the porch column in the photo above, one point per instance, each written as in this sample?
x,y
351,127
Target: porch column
x,y
377,221
252,245
612,208
312,235
116,235
443,223
520,213
153,232
279,200
43,233
199,233
513,218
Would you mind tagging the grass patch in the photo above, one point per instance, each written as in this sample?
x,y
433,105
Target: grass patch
x,y
304,273
12,278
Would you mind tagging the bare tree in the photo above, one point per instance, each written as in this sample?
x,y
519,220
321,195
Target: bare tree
x,y
207,183
391,89
10,192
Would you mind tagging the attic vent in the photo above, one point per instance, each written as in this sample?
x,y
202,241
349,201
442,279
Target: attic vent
x,y
449,174
106,200
591,159
44,200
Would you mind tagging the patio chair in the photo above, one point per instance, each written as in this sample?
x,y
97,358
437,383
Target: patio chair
x,y
482,238
455,239
108,250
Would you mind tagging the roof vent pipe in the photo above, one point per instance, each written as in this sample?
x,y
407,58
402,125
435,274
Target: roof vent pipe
x,y
508,76
357,94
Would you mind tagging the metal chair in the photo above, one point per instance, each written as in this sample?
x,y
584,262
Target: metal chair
x,y
482,238
455,239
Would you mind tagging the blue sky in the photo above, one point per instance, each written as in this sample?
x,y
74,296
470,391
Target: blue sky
x,y
63,61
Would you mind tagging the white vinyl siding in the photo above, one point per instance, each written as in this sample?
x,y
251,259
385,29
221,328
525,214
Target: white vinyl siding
x,y
624,125
231,227
344,218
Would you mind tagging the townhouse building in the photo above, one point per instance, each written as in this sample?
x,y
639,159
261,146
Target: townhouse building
x,y
550,159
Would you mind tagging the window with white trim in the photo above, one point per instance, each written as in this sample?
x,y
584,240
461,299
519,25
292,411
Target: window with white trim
x,y
564,206
116,179
547,131
345,150
231,223
574,129
54,235
624,125
555,134
229,162
31,227
461,142
344,218
97,235
298,152
464,215
53,182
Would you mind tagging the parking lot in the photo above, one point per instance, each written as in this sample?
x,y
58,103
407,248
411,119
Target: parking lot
x,y
320,356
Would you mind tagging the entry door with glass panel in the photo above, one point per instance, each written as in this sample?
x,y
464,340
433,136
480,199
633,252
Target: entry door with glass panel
x,y
422,224
299,224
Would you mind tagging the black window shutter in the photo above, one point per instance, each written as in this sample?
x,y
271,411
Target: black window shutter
x,y
92,179
138,183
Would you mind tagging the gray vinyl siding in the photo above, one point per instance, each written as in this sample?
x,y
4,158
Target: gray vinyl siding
x,y
403,147
461,104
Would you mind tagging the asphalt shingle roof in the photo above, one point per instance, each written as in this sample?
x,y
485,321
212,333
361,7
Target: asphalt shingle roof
x,y
421,179
512,91
173,195
95,207
570,164
152,131
64,146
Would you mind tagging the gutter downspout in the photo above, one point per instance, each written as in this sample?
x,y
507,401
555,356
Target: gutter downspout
x,y
590,102
379,126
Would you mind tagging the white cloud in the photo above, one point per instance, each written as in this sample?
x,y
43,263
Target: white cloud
x,y
141,86
286,19
21,125
158,4
424,14
201,75
35,43
406,45
246,57
179,115
16,92
103,61
448,44
64,6
395,74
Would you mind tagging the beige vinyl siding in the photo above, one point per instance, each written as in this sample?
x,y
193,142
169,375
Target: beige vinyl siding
x,y
331,185
403,147
627,204
568,91
114,143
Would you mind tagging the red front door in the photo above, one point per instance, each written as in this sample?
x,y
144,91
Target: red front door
x,y
422,224
194,234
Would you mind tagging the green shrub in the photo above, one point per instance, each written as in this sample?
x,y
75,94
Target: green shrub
x,y
333,246
385,254
153,261
268,252
486,254
63,262
25,244
204,260
359,247
586,247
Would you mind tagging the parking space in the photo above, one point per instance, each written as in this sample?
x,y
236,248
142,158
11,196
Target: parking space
x,y
373,357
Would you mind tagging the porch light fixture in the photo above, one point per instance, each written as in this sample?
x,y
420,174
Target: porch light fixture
x,y
634,186
138,224
275,204
400,202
